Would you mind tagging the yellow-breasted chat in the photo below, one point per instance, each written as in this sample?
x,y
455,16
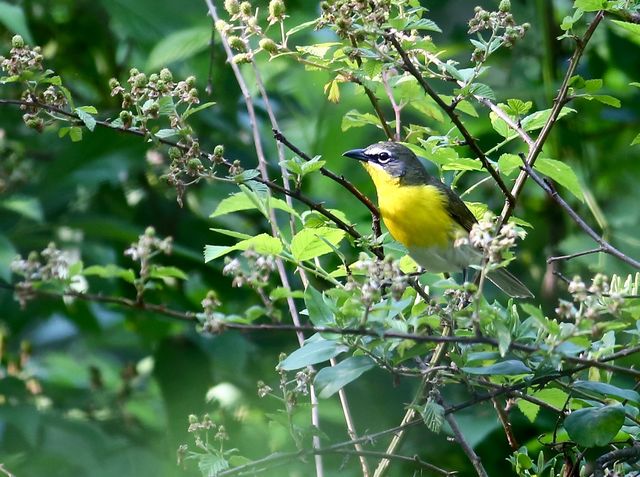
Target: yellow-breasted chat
x,y
425,215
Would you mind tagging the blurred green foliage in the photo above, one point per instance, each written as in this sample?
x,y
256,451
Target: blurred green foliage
x,y
105,390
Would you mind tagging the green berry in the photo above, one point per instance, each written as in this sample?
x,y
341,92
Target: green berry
x,y
268,45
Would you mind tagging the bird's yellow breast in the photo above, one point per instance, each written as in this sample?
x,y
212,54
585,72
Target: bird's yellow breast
x,y
415,215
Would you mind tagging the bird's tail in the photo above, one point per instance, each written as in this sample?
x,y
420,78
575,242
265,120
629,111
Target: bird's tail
x,y
508,283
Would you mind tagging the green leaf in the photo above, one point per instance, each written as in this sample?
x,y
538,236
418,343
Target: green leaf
x,y
75,133
13,17
7,254
301,27
312,353
463,164
28,207
355,119
211,465
178,46
562,174
331,379
319,311
529,409
197,109
310,243
110,271
166,133
432,414
263,244
632,28
508,163
157,271
608,100
510,367
595,426
279,293
539,118
608,390
636,140
590,5
86,117
241,201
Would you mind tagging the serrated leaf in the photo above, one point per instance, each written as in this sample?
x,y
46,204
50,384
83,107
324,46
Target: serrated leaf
x,y
562,174
355,119
310,243
312,353
590,5
331,379
462,164
433,415
263,244
632,28
86,118
178,46
508,163
595,426
529,409
211,465
75,133
538,119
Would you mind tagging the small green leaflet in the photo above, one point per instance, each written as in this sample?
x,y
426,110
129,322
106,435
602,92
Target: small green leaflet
x,y
562,174
264,244
85,115
608,390
311,243
332,379
590,5
318,309
167,272
508,163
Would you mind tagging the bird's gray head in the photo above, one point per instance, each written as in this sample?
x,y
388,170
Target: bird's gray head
x,y
394,158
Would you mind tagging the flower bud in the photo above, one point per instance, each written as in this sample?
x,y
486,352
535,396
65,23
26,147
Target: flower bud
x,y
505,6
268,45
17,41
237,43
165,75
232,7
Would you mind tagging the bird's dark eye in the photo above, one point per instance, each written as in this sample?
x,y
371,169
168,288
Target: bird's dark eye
x,y
383,157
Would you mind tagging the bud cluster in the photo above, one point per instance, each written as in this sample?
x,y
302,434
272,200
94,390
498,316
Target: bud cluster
x,y
21,58
380,275
343,14
200,428
245,25
148,245
500,23
50,264
589,302
257,272
482,236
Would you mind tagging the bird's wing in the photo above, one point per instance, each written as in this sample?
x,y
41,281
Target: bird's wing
x,y
458,209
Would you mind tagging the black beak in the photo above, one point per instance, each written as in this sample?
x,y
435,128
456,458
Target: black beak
x,y
357,154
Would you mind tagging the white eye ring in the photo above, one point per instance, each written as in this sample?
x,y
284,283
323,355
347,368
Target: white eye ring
x,y
383,157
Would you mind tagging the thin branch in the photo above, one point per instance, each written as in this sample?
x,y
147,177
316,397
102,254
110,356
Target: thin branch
x,y
414,460
469,139
558,104
397,109
370,94
604,245
575,255
280,137
503,417
628,454
468,450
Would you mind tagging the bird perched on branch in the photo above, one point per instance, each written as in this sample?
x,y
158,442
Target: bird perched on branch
x,y
425,215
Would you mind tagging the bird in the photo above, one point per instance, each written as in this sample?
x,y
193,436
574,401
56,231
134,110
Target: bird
x,y
425,215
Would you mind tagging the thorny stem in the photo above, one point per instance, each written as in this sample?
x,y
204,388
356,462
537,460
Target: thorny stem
x,y
397,108
558,103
